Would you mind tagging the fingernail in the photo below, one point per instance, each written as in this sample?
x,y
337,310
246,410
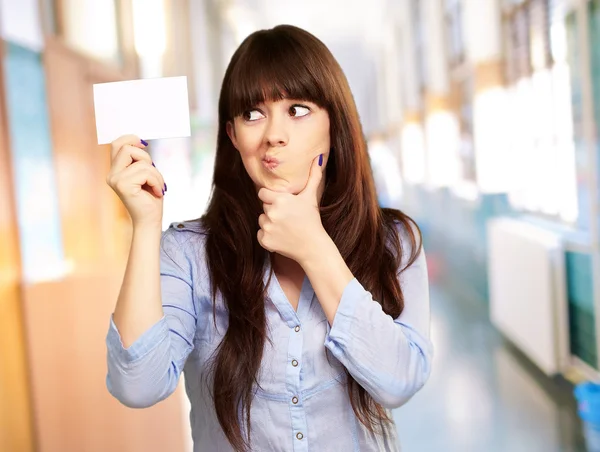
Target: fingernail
x,y
321,160
144,142
153,165
163,192
165,187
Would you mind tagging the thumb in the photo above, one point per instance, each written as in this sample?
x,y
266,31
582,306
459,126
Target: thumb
x,y
314,178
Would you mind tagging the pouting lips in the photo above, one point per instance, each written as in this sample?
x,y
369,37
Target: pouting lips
x,y
270,162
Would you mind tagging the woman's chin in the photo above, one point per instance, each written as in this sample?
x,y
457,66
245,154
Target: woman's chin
x,y
283,188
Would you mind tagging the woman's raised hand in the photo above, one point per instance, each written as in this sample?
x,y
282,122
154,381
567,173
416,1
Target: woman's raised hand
x,y
136,181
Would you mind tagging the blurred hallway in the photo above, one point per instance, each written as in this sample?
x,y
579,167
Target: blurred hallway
x,y
484,395
482,122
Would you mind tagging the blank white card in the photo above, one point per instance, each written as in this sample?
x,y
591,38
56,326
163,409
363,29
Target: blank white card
x,y
149,108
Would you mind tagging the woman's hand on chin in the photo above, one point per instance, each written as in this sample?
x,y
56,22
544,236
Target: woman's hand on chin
x,y
291,224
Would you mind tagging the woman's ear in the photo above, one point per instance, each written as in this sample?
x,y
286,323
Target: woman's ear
x,y
231,133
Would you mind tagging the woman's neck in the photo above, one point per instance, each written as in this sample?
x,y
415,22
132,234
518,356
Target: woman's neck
x,y
285,266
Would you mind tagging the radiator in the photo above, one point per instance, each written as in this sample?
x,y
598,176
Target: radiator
x,y
527,288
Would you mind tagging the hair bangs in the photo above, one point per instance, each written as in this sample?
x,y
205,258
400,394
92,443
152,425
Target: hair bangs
x,y
272,71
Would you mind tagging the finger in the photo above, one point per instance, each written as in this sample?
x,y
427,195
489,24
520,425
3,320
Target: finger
x,y
267,196
149,176
127,155
139,174
262,219
268,208
260,236
314,178
132,140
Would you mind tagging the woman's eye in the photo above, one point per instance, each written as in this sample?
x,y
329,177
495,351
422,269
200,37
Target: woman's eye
x,y
299,110
252,115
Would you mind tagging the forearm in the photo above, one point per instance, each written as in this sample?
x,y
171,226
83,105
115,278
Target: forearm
x,y
139,304
390,360
328,274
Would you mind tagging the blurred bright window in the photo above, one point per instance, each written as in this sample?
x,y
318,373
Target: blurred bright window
x,y
413,153
90,26
150,37
386,173
539,121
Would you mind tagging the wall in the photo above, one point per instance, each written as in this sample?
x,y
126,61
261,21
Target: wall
x,y
15,412
67,317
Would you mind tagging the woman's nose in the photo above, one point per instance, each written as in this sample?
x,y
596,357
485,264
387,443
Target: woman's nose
x,y
276,134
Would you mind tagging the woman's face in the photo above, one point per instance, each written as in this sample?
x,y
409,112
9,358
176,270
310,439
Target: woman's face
x,y
278,142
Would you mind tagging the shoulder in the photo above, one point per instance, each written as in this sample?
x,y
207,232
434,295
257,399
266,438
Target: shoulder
x,y
194,226
410,241
183,237
409,233
183,246
183,231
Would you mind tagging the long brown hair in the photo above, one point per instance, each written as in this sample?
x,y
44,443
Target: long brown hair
x,y
287,62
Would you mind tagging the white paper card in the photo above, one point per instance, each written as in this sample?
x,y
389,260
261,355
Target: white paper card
x,y
149,108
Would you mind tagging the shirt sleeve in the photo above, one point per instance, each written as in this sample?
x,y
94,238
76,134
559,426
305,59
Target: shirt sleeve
x,y
148,371
390,358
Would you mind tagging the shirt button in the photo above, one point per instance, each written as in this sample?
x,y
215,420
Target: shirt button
x,y
295,363
299,435
297,328
294,400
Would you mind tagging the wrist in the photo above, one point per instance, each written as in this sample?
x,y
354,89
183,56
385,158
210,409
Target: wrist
x,y
147,229
319,246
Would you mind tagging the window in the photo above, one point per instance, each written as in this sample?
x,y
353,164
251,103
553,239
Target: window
x,y
539,36
527,28
91,26
539,121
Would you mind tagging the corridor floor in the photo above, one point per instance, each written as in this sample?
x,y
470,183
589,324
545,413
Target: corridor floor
x,y
483,395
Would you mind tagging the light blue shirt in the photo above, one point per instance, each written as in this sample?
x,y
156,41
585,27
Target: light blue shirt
x,y
303,403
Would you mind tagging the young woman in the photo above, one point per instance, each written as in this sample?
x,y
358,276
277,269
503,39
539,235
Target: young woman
x,y
296,306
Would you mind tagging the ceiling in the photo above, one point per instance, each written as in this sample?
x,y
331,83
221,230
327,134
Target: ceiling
x,y
330,20
356,31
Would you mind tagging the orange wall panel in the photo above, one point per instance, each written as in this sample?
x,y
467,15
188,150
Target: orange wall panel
x,y
67,325
16,433
72,129
67,320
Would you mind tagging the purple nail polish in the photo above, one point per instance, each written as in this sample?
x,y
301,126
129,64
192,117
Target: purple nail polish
x,y
165,187
144,142
153,165
321,160
163,192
